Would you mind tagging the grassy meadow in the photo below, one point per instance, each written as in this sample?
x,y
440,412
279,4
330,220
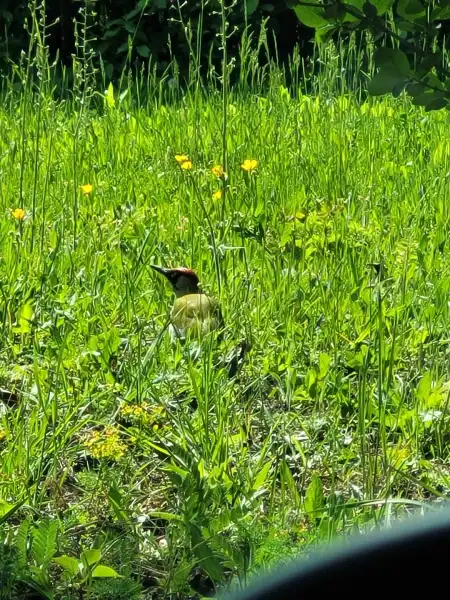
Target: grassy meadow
x,y
124,454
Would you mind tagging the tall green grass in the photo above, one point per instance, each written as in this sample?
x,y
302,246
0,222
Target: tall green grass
x,y
331,259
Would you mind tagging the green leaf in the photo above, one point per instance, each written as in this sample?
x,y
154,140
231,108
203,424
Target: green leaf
x,y
159,514
312,17
5,507
410,9
415,89
427,63
69,564
399,88
143,51
440,13
24,317
117,503
369,10
393,60
384,82
43,546
201,549
335,11
324,34
7,510
262,476
251,6
287,480
314,499
324,364
436,104
109,96
382,6
104,571
21,543
91,556
424,387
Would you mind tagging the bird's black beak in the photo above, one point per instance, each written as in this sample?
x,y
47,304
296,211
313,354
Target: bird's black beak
x,y
161,270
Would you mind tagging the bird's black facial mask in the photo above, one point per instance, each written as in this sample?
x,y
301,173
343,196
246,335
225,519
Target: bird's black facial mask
x,y
181,283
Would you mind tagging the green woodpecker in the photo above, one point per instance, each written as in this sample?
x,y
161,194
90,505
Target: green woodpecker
x,y
194,313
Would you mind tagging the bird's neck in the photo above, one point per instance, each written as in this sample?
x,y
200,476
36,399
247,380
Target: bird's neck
x,y
186,292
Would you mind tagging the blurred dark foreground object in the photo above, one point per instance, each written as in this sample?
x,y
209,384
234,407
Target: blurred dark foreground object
x,y
411,560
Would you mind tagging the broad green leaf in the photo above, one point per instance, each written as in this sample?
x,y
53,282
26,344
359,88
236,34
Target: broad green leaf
x,y
104,571
209,562
143,51
433,80
23,319
312,17
5,507
384,82
424,387
91,556
69,564
336,11
324,364
8,510
440,13
415,89
425,98
314,499
436,104
382,6
43,546
262,476
427,63
393,60
369,10
324,34
251,6
410,9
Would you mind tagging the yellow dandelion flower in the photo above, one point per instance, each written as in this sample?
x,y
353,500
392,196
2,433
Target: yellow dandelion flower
x,y
181,158
218,171
249,165
18,214
218,195
2,434
87,189
186,165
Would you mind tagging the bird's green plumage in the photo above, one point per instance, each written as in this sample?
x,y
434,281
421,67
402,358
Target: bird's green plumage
x,y
195,314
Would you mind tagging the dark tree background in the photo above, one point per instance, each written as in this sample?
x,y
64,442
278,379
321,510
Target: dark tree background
x,y
150,24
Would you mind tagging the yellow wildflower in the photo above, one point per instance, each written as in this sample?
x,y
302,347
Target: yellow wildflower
x,y
135,412
249,165
186,165
87,189
105,443
218,171
18,214
144,413
2,434
218,195
181,158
